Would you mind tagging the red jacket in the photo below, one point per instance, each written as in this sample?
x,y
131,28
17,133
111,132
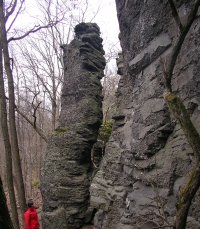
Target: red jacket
x,y
31,219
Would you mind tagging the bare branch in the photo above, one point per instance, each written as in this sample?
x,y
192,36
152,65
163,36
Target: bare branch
x,y
34,113
181,114
8,13
18,12
175,14
69,30
95,14
37,129
178,45
84,11
7,8
33,30
37,75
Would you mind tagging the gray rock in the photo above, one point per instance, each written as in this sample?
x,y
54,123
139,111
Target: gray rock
x,y
67,169
148,157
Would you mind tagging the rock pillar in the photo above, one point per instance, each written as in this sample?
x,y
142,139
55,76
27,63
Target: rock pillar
x,y
67,167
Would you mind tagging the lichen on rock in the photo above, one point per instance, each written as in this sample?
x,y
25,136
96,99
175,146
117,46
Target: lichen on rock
x,y
67,167
148,158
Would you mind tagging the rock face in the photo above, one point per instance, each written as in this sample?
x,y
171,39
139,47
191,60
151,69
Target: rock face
x,y
148,157
67,167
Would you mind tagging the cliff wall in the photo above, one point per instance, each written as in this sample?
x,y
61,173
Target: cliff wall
x,y
148,158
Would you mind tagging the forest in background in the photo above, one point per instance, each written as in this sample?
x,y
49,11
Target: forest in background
x,y
30,86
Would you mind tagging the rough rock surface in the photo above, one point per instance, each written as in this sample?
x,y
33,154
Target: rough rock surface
x,y
67,167
148,156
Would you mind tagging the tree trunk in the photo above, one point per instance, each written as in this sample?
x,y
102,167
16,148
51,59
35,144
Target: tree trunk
x,y
5,220
188,191
12,124
54,111
5,134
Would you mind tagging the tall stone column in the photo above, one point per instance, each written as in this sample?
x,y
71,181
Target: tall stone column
x,y
67,168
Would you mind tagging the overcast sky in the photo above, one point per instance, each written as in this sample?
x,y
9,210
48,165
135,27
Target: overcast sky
x,y
108,23
106,18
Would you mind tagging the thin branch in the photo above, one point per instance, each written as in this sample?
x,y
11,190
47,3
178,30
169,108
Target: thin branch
x,y
95,14
178,45
7,8
175,14
179,111
34,113
35,108
69,30
8,13
37,129
33,30
84,11
18,12
33,66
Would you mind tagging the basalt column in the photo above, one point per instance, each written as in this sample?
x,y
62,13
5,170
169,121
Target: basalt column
x,y
67,167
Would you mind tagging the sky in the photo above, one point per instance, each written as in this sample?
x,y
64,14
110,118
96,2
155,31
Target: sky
x,y
108,23
106,19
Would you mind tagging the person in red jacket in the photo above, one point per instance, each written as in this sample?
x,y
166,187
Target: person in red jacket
x,y
31,217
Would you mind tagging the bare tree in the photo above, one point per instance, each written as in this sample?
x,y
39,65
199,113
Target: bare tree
x,y
5,220
42,52
12,123
41,73
45,65
5,132
13,8
176,106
